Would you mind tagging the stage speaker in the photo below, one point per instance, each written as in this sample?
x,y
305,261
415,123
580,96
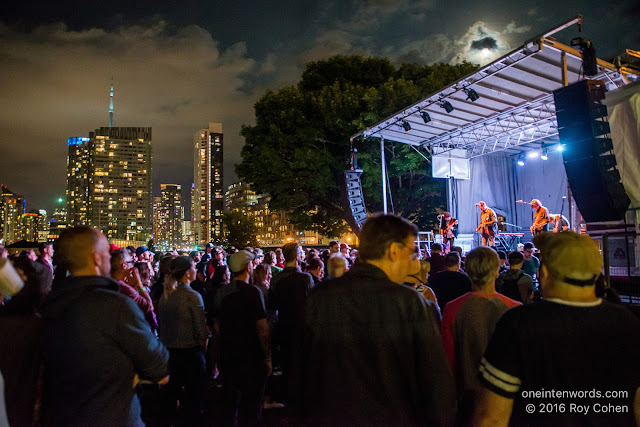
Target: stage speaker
x,y
355,197
588,153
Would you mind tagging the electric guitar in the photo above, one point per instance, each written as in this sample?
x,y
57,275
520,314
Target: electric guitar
x,y
446,229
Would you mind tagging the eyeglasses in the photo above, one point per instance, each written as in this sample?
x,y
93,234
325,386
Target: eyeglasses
x,y
415,250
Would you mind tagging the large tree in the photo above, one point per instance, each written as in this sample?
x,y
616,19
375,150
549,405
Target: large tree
x,y
241,230
299,147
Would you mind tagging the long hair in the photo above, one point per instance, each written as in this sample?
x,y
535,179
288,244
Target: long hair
x,y
178,267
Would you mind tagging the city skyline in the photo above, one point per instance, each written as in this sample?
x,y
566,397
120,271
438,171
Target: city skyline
x,y
175,69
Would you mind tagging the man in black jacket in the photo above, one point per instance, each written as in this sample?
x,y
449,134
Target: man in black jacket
x,y
371,352
97,343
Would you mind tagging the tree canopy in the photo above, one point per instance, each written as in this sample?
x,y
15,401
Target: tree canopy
x,y
299,147
241,230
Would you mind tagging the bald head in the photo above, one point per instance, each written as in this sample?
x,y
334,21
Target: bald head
x,y
83,251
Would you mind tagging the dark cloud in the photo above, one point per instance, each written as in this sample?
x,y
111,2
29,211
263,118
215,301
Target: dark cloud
x,y
179,66
484,43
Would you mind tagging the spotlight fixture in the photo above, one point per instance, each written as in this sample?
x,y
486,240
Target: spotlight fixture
x,y
561,147
533,154
406,125
521,160
545,154
447,106
471,94
425,116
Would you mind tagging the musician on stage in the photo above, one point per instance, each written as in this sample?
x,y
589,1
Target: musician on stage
x,y
560,223
448,227
540,219
488,224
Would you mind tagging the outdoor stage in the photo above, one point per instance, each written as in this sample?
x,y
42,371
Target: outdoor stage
x,y
475,131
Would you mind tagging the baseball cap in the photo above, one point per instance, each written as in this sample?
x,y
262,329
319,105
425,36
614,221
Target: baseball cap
x,y
141,250
572,258
210,245
239,261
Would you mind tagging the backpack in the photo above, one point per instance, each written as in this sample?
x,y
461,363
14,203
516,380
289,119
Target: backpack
x,y
510,288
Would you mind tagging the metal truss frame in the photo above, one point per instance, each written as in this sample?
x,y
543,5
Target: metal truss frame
x,y
529,123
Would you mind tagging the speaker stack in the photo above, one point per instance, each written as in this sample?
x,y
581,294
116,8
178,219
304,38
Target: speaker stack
x,y
355,197
588,152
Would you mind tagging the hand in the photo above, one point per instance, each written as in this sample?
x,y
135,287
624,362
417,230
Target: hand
x,y
133,279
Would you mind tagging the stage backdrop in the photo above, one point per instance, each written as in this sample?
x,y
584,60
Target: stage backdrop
x,y
499,182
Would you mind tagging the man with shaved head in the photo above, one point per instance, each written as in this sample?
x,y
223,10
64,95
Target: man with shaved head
x,y
96,341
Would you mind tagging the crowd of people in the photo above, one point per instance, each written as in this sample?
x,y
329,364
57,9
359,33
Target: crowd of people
x,y
382,335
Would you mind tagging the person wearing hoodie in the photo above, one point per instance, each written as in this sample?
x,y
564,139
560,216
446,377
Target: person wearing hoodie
x,y
97,344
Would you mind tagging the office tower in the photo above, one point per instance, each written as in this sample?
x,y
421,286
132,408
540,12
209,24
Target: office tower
x,y
208,190
78,175
170,213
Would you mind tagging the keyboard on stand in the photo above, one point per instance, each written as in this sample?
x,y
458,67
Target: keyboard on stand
x,y
509,241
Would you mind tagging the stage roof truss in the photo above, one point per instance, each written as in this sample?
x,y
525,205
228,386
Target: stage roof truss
x,y
515,111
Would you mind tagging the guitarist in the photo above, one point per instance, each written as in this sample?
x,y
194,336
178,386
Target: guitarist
x,y
541,218
488,224
448,227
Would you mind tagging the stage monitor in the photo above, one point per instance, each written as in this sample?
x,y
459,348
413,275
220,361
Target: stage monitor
x,y
444,166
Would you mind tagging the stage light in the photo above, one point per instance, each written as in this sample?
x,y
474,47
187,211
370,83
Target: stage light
x,y
561,147
471,94
447,106
425,116
521,160
533,154
545,154
406,125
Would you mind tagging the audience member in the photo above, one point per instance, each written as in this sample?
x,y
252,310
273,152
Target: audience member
x,y
245,358
450,283
336,266
183,330
515,283
436,259
371,353
467,325
287,295
568,341
96,341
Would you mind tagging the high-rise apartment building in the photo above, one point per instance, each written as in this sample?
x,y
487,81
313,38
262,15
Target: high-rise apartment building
x,y
208,190
169,212
109,180
78,175
13,208
120,182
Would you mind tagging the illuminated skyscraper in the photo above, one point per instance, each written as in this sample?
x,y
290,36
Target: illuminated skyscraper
x,y
109,180
78,174
169,212
13,208
120,181
208,191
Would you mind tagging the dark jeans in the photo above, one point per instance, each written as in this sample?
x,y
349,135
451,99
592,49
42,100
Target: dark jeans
x,y
187,369
243,397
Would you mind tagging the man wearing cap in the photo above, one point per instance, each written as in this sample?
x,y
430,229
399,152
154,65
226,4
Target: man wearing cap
x,y
245,352
540,219
571,341
371,352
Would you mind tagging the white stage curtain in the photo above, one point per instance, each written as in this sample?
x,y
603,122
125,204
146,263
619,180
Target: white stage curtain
x,y
623,106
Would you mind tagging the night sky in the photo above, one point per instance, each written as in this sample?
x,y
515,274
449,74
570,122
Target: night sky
x,y
176,68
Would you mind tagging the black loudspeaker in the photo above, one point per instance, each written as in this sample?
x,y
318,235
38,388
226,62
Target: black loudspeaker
x,y
588,153
355,197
